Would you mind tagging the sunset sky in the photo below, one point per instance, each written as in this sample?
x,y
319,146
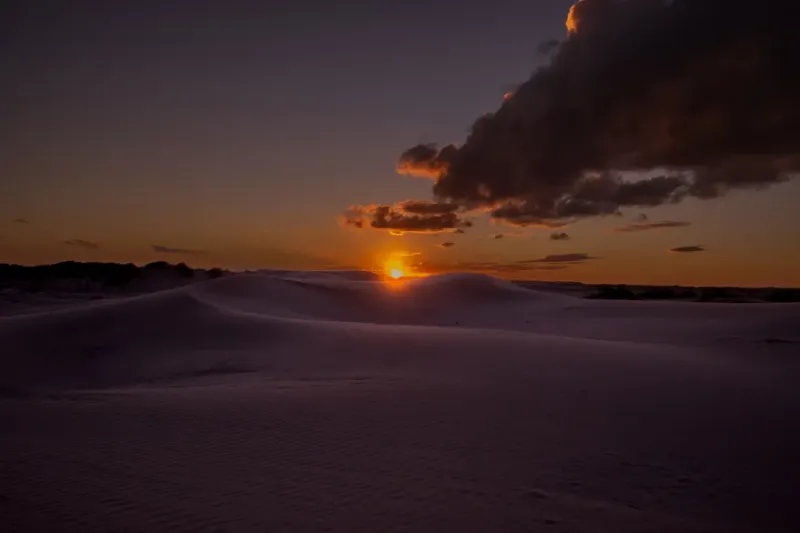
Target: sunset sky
x,y
250,134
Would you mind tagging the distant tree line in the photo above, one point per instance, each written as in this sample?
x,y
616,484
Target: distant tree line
x,y
697,294
102,274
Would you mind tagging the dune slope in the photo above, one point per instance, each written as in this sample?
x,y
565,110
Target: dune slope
x,y
297,402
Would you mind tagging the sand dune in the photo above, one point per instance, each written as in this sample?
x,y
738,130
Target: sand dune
x,y
285,401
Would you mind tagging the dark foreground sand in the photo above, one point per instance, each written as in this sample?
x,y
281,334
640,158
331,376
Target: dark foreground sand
x,y
458,403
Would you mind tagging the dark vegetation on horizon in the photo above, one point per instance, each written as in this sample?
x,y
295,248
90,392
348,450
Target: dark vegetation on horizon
x,y
92,276
695,294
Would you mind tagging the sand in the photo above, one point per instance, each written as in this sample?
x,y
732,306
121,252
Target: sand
x,y
284,401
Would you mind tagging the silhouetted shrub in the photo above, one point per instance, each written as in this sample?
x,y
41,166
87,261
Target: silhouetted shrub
x,y
687,294
613,292
183,270
659,293
782,295
122,275
158,265
215,273
667,293
716,294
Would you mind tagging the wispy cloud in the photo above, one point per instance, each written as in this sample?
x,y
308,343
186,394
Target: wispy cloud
x,y
511,269
180,251
447,244
81,243
561,258
559,237
498,236
490,267
688,249
645,226
21,221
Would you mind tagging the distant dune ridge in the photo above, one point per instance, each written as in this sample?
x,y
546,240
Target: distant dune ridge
x,y
302,401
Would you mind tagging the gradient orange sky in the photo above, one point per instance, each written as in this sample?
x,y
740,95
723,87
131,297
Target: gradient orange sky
x,y
234,136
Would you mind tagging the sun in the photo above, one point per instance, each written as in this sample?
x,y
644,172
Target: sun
x,y
395,266
399,266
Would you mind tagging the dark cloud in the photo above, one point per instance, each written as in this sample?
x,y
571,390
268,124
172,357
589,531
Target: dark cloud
x,y
548,47
498,236
688,249
421,207
593,195
425,160
89,245
435,217
561,258
645,226
180,251
21,221
645,103
511,89
459,230
559,237
642,218
447,244
525,214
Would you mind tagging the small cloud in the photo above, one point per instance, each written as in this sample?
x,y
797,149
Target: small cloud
x,y
498,236
688,249
459,230
412,216
89,245
447,244
645,226
423,207
559,237
181,251
642,218
21,221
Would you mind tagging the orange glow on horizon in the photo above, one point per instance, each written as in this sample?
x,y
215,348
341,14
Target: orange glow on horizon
x,y
399,265
394,266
